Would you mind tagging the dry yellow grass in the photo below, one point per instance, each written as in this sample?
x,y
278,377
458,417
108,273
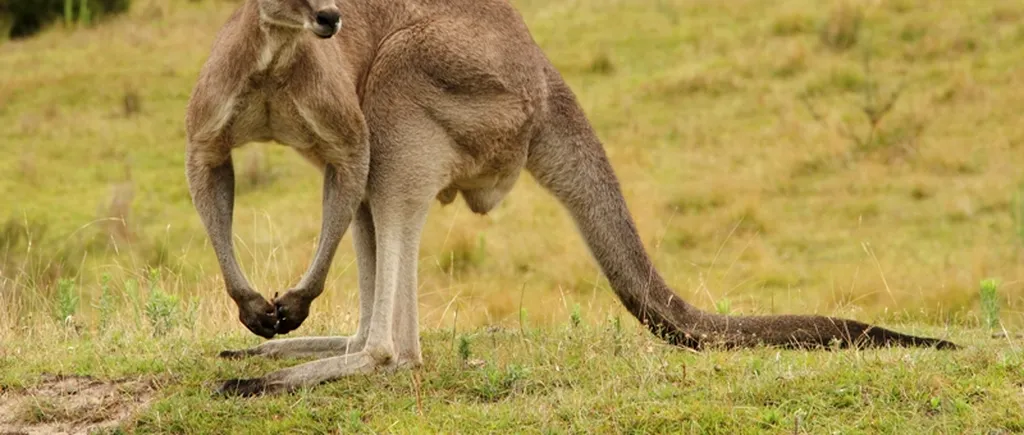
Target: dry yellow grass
x,y
745,200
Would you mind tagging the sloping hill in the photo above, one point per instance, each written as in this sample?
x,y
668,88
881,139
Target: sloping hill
x,y
738,130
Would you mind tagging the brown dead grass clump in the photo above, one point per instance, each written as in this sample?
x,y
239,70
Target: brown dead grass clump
x,y
71,405
842,28
118,210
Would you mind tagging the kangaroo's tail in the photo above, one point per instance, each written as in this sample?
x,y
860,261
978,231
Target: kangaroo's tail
x,y
567,158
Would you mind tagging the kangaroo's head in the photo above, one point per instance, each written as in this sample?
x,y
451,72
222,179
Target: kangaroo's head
x,y
322,17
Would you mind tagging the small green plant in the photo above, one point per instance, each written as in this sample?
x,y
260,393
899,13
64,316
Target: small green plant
x,y
162,309
576,318
990,302
770,418
464,350
723,306
105,304
497,384
67,301
617,325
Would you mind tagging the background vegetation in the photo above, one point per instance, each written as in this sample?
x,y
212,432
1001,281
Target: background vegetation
x,y
21,18
855,158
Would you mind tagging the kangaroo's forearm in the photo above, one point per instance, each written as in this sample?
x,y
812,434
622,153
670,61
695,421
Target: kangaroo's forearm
x,y
340,200
213,195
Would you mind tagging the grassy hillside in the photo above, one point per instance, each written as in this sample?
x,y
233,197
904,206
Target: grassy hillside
x,y
738,131
855,158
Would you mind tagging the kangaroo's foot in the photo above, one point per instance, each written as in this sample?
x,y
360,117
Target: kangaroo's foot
x,y
313,373
301,347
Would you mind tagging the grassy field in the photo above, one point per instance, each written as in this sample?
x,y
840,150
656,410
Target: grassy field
x,y
853,158
593,377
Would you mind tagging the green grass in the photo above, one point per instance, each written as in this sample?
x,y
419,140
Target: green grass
x,y
756,149
590,378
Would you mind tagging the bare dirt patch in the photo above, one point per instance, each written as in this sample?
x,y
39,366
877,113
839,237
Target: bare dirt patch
x,y
71,405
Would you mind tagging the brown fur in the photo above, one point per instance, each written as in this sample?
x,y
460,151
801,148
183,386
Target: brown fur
x,y
415,100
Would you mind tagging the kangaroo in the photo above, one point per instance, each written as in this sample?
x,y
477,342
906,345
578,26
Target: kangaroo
x,y
406,102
